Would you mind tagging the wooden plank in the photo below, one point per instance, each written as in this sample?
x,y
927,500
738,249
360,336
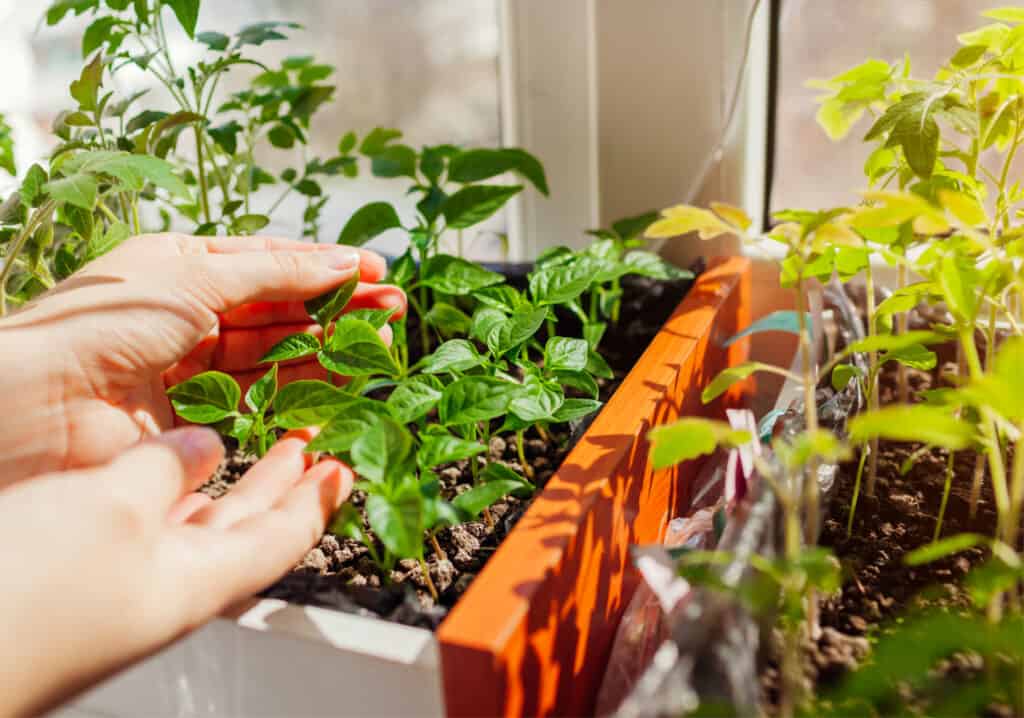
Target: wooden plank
x,y
532,635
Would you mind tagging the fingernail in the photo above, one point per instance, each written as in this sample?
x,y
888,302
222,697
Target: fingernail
x,y
339,258
195,445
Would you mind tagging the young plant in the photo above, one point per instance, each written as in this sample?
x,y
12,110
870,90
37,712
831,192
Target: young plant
x,y
453,199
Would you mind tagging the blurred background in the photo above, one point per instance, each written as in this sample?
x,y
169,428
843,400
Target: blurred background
x,y
431,68
820,38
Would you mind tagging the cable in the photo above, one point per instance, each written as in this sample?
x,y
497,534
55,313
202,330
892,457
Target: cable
x,y
718,151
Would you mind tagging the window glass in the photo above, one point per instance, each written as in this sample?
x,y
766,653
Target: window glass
x,y
429,68
821,38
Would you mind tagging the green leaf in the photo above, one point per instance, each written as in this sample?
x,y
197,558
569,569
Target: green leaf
x,y
281,137
97,34
683,219
187,12
476,398
843,374
649,264
79,190
303,404
249,224
798,451
342,431
448,320
261,394
99,245
597,366
226,136
134,171
216,41
472,503
456,276
206,398
326,308
377,317
483,164
967,56
397,520
721,383
297,346
942,549
454,356
515,330
32,186
561,284
915,357
961,296
485,320
382,450
356,349
632,227
1006,14
348,523
893,342
783,321
378,139
502,297
395,161
918,135
933,425
440,449
347,143
563,354
413,399
87,87
579,380
472,205
368,222
239,428
537,402
261,32
575,409
690,438
58,9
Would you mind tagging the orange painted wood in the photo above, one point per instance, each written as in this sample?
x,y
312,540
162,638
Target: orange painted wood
x,y
532,635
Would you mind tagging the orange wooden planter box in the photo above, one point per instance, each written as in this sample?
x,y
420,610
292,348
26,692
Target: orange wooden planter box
x,y
533,633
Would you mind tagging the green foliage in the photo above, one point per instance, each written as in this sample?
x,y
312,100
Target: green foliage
x,y
691,438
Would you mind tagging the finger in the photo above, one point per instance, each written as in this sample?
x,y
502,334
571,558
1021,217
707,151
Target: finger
x,y
232,280
242,349
259,314
263,485
182,511
372,266
226,566
379,296
154,475
305,371
200,359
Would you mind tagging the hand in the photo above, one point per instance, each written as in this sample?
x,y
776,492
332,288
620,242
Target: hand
x,y
84,369
117,561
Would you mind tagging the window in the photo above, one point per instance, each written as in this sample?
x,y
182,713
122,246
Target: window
x,y
429,68
820,38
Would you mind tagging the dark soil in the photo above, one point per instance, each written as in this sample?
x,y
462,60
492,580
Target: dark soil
x,y
339,572
879,587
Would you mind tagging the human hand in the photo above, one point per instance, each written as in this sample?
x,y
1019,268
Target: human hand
x,y
116,561
85,368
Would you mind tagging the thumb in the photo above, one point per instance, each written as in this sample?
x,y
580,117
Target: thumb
x,y
152,476
279,276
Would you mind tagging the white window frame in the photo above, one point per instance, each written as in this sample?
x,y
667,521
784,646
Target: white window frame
x,y
626,103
